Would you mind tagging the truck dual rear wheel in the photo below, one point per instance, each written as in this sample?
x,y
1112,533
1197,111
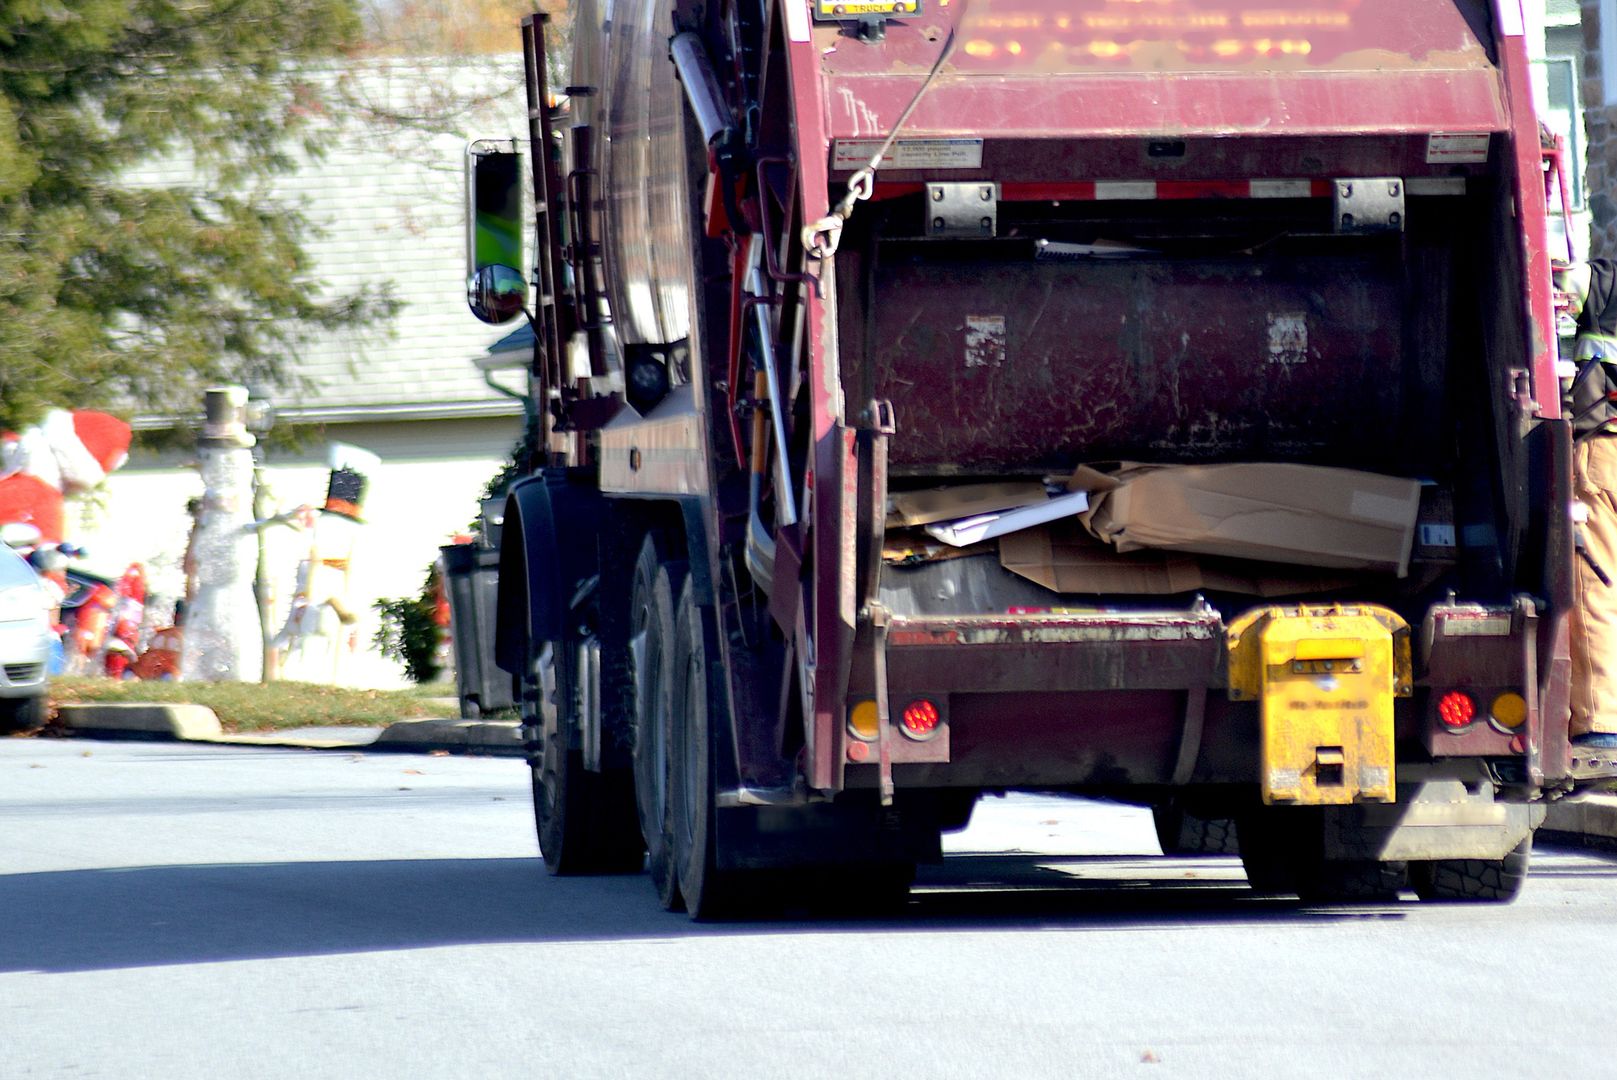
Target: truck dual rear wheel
x,y
651,652
1268,847
708,892
1282,853
585,820
1182,833
1473,880
1345,881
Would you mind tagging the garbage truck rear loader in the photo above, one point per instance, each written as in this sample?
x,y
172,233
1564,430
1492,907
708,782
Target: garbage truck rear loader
x,y
1154,402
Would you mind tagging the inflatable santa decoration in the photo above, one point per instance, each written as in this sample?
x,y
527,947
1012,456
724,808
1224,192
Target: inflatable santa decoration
x,y
65,453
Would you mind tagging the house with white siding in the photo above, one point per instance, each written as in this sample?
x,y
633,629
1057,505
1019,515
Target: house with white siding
x,y
387,200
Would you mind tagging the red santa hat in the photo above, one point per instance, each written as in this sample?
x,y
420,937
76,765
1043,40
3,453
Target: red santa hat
x,y
70,451
63,453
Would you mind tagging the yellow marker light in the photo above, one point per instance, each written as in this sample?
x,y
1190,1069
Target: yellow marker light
x,y
979,48
1508,711
863,721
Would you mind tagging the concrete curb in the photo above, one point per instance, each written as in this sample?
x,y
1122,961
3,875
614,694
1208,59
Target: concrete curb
x,y
483,736
189,722
275,740
197,723
1587,822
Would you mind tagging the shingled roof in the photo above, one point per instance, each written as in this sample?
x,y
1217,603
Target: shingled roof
x,y
388,201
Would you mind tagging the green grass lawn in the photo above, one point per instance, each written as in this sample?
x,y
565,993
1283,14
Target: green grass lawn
x,y
279,705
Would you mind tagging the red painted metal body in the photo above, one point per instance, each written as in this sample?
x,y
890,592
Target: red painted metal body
x,y
1166,359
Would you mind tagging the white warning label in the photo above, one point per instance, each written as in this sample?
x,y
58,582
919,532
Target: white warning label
x,y
1456,148
849,154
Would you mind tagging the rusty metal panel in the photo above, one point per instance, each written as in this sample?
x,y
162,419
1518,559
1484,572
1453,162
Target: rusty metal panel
x,y
1180,66
1006,365
1060,739
1045,37
1538,318
1145,106
1053,653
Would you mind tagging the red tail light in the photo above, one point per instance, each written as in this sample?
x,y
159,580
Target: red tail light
x,y
1456,710
920,718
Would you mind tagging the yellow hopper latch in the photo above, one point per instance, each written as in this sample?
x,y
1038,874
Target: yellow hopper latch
x,y
1324,679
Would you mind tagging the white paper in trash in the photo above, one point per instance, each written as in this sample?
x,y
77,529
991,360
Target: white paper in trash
x,y
973,530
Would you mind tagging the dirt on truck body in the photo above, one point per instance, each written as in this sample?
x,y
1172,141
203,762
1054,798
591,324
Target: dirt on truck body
x,y
1147,401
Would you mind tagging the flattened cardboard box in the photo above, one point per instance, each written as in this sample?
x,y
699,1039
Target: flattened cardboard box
x,y
1063,557
1298,514
961,501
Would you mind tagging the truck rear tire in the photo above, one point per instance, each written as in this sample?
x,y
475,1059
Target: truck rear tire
x,y
1495,881
1283,853
708,892
585,820
651,659
1351,881
1269,847
1182,833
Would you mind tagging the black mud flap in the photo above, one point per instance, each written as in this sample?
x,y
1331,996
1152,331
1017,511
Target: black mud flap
x,y
549,548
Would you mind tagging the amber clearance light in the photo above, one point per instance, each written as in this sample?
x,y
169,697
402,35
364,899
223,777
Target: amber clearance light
x,y
863,721
1508,711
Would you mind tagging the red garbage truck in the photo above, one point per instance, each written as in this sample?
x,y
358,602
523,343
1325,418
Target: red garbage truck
x,y
1149,401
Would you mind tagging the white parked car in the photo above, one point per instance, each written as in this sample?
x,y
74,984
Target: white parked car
x,y
25,641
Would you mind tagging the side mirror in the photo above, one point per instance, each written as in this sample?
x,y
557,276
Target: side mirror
x,y
497,294
494,227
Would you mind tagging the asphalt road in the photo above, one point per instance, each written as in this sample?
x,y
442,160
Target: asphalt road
x,y
187,911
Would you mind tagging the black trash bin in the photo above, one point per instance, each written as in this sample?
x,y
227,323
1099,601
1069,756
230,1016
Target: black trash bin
x,y
472,583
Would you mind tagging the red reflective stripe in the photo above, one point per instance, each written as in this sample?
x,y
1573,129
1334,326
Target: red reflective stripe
x,y
1072,190
1204,189
887,190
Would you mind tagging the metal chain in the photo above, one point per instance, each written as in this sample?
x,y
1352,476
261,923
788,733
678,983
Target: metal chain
x,y
820,240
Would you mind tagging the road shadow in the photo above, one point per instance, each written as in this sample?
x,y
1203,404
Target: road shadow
x,y
87,920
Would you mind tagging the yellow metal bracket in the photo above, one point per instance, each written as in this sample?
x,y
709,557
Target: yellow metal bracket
x,y
1324,678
